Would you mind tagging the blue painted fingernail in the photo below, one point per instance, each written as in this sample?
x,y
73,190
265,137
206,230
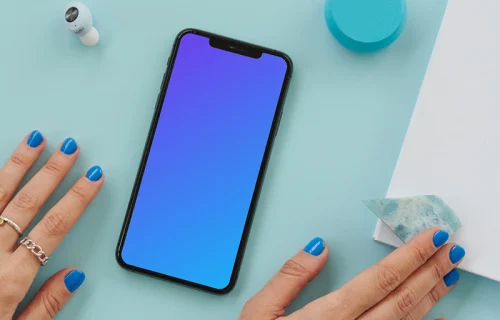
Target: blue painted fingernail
x,y
94,173
69,146
451,278
315,247
74,280
456,254
35,139
440,238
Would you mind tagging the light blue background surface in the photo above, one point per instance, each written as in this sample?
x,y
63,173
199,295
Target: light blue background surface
x,y
343,126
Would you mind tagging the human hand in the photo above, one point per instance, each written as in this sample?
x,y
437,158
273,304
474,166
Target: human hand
x,y
404,285
18,264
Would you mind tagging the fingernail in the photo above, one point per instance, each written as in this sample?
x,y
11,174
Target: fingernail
x,y
94,173
440,238
451,278
456,254
74,280
69,146
315,247
35,139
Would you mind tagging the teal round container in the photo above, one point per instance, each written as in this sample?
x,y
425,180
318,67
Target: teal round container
x,y
366,25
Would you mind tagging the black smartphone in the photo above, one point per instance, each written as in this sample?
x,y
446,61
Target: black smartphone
x,y
199,180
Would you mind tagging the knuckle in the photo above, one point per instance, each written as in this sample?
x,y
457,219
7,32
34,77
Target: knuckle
x,y
336,306
273,310
388,278
53,169
20,160
409,316
25,200
3,195
4,280
434,296
437,271
255,310
294,269
54,224
406,300
78,193
52,304
418,255
10,292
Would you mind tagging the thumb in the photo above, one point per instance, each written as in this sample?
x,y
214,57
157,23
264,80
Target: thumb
x,y
296,273
53,295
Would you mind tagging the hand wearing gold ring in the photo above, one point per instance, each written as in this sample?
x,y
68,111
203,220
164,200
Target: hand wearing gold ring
x,y
404,285
21,260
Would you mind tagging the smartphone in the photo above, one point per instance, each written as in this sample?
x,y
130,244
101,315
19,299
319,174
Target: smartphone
x,y
199,180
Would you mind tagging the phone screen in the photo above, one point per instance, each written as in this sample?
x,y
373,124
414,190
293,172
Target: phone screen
x,y
203,165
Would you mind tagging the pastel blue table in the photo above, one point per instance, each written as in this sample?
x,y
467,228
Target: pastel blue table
x,y
344,123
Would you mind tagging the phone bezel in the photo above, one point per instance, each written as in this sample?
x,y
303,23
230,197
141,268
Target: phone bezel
x,y
232,45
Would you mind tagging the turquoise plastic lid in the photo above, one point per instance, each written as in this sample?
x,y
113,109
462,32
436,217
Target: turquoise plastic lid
x,y
365,25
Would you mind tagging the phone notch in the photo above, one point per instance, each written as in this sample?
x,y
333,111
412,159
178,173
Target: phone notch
x,y
236,47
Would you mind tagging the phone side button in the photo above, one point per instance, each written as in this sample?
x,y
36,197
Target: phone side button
x,y
163,80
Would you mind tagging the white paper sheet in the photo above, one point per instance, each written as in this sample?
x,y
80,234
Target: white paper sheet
x,y
452,147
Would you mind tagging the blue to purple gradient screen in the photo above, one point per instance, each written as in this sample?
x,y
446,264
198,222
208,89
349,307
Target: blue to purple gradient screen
x,y
202,169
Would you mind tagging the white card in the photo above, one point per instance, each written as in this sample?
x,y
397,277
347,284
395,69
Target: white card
x,y
452,147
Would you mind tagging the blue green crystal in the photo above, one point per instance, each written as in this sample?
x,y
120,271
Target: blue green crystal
x,y
407,217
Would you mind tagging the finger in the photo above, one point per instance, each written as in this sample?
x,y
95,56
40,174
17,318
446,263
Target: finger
x,y
54,226
296,273
374,284
402,300
28,201
53,295
441,289
18,165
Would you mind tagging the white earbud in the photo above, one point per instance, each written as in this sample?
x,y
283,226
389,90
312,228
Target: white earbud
x,y
79,21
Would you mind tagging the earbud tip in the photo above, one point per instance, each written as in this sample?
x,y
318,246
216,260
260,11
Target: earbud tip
x,y
91,38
